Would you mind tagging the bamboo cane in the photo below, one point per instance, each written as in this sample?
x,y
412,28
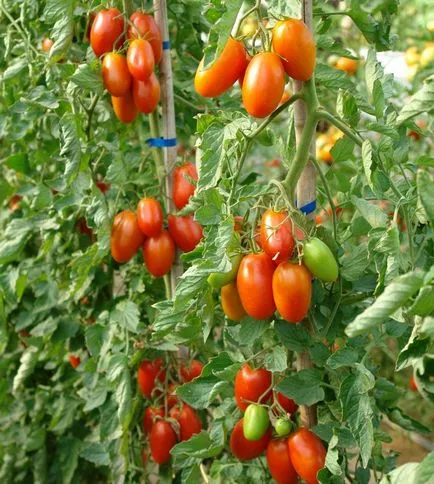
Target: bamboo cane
x,y
306,192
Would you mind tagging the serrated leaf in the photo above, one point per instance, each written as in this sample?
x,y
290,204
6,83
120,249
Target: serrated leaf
x,y
332,457
304,387
421,102
424,302
394,296
425,472
201,391
345,356
397,416
95,452
293,336
371,213
276,359
127,315
28,362
406,473
88,76
425,189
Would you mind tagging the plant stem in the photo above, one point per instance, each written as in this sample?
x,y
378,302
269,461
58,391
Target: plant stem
x,y
90,112
322,114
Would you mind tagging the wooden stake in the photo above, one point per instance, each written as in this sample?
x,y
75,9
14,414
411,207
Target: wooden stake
x,y
306,192
169,124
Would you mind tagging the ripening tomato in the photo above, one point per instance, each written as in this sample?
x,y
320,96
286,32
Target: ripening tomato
x,y
144,26
140,59
286,403
238,223
148,374
244,449
124,108
263,85
250,385
150,216
307,454
219,279
293,41
15,202
126,237
74,361
115,74
83,227
255,422
279,462
231,302
320,261
107,31
146,94
172,397
254,283
412,385
161,440
185,231
102,186
149,417
347,65
292,290
159,253
225,70
183,189
276,235
189,421
46,44
192,371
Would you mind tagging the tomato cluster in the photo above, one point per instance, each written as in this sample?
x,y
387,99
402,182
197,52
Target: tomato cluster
x,y
325,142
294,54
130,78
261,282
289,455
145,229
167,420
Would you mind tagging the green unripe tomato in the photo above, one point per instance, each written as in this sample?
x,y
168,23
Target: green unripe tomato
x,y
256,422
282,426
220,279
319,259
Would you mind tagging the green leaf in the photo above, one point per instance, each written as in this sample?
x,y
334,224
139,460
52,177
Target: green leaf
x,y
293,336
88,76
4,334
70,146
67,458
28,362
62,13
424,302
331,78
345,356
18,162
406,473
127,315
95,452
371,213
304,387
367,161
332,457
397,416
201,391
123,395
394,296
425,189
425,472
276,360
421,102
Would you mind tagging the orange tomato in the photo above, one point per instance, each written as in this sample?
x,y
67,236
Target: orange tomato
x,y
124,108
264,83
143,25
140,59
225,70
115,74
347,65
231,302
126,237
159,253
146,94
47,44
293,41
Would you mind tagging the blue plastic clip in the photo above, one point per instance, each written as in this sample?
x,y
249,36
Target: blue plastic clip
x,y
166,44
309,207
161,142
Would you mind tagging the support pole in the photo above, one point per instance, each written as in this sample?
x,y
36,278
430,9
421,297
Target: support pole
x,y
306,193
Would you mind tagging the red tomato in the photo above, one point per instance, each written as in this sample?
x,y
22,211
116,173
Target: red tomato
x,y
231,302
159,253
276,235
84,228
292,290
254,284
279,463
293,41
185,231
150,216
238,223
189,421
183,189
115,74
250,385
47,44
192,371
146,94
244,449
286,403
74,361
148,374
107,31
143,25
349,66
307,454
124,108
103,187
263,85
172,398
161,440
140,59
126,237
412,385
225,70
149,417
15,202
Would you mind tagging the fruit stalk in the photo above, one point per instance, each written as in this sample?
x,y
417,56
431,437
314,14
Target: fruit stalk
x,y
306,191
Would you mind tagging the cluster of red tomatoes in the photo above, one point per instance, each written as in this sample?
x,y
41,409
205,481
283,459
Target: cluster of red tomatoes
x,y
168,420
130,78
288,454
263,281
130,230
262,77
